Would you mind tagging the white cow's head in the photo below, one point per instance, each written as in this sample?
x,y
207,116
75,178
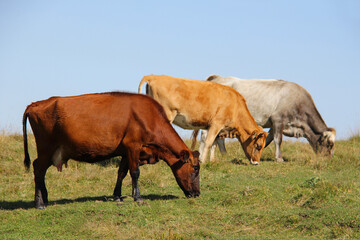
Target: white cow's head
x,y
326,143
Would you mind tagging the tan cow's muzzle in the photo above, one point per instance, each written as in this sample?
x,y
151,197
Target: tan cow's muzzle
x,y
254,163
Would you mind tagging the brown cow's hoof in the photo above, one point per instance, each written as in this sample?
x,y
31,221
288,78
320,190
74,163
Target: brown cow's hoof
x,y
118,199
40,207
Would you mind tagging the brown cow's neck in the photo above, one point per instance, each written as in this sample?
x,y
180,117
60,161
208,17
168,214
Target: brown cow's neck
x,y
173,144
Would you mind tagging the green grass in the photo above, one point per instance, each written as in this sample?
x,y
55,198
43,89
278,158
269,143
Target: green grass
x,y
306,197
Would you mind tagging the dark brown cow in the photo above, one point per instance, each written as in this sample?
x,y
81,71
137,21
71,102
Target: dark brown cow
x,y
94,127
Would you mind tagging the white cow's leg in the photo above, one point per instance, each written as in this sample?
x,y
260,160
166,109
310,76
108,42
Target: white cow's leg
x,y
270,137
211,135
278,132
221,143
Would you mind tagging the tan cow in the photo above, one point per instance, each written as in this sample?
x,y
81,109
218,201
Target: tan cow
x,y
193,104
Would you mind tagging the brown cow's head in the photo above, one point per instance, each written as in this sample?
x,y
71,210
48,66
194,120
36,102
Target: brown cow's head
x,y
326,143
254,145
186,171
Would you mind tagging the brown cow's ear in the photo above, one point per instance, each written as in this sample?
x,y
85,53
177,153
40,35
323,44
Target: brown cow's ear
x,y
196,154
184,156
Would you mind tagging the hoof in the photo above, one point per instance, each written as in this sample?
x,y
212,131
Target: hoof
x,y
118,199
40,207
279,160
138,200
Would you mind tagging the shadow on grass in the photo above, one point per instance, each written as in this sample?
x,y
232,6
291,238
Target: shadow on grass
x,y
273,160
155,197
238,161
8,205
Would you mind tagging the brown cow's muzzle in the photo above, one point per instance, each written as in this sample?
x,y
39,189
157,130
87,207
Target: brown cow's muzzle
x,y
193,194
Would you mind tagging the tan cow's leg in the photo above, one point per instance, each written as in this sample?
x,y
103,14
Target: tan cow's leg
x,y
218,141
211,135
212,151
171,114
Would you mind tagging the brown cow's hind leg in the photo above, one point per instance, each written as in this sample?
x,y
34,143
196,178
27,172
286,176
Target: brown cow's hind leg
x,y
41,195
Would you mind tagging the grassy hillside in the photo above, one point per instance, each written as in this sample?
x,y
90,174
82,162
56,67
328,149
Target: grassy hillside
x,y
306,197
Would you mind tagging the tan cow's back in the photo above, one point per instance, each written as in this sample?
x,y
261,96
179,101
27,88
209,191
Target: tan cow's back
x,y
193,104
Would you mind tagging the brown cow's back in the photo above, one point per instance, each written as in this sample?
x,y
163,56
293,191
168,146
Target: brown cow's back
x,y
69,121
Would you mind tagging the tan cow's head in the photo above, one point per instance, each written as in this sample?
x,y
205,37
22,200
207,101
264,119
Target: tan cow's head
x,y
326,143
254,146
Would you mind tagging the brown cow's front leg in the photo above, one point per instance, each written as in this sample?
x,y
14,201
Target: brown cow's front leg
x,y
41,195
123,169
135,186
133,157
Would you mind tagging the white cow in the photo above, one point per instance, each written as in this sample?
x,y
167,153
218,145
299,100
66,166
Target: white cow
x,y
284,107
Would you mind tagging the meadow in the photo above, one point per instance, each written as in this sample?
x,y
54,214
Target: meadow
x,y
306,197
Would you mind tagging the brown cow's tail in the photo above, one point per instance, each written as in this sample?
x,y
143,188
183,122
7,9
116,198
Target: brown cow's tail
x,y
27,157
193,138
145,79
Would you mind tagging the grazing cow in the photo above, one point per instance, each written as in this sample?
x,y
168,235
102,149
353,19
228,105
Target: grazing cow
x,y
94,127
193,104
284,107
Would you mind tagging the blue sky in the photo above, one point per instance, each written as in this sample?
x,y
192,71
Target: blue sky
x,y
62,48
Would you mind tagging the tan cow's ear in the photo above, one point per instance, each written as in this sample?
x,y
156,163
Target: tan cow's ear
x,y
254,134
184,156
